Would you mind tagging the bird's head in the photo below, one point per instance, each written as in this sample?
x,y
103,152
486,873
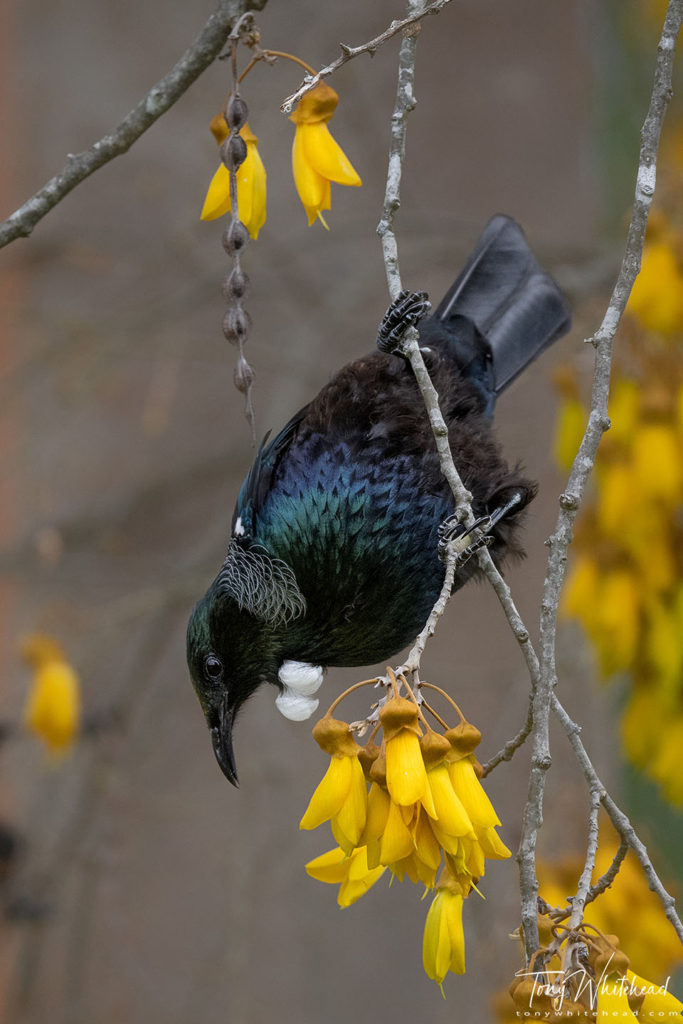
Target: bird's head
x,y
228,654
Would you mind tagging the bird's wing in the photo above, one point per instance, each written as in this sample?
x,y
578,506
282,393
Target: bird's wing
x,y
258,481
260,583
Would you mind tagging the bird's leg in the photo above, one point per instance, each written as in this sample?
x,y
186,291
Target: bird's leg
x,y
453,534
405,311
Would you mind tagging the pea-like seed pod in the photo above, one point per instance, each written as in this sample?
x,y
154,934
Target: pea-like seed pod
x,y
235,237
236,112
236,285
234,152
235,325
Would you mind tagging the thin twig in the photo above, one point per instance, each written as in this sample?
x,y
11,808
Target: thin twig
x,y
349,52
412,662
161,97
405,103
583,888
570,501
603,883
617,817
507,752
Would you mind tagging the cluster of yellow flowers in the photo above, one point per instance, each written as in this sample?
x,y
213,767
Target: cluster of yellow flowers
x,y
598,983
53,707
627,908
625,585
404,805
583,976
585,973
317,160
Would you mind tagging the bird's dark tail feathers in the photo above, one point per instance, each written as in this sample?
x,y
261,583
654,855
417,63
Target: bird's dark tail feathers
x,y
516,307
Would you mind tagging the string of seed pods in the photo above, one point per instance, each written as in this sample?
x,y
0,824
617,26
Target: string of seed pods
x,y
233,153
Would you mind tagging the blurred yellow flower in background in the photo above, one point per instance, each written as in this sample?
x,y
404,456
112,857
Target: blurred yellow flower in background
x,y
53,706
317,159
657,295
625,583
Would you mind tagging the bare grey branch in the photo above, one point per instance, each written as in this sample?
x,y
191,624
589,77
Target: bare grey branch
x,y
349,52
158,100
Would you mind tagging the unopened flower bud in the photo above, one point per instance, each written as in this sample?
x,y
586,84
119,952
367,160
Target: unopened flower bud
x,y
235,237
236,112
234,152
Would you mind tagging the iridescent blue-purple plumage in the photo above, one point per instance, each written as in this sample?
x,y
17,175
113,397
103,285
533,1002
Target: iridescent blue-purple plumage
x,y
341,510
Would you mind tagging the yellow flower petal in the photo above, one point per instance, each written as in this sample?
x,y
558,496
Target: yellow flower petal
x,y
426,844
613,1000
352,814
397,842
360,878
471,793
329,867
492,845
406,774
217,200
325,156
377,813
330,793
451,815
474,856
657,1005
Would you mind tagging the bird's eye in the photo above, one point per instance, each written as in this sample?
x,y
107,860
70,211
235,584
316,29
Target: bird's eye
x,y
213,667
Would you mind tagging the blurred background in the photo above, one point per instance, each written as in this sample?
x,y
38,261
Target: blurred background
x,y
137,885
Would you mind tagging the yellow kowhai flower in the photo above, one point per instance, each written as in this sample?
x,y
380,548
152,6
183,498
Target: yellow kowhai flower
x,y
657,296
443,944
405,768
569,431
657,467
53,706
657,1004
317,159
351,873
612,1000
251,183
341,796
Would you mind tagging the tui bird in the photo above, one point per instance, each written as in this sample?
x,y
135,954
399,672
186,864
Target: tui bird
x,y
333,558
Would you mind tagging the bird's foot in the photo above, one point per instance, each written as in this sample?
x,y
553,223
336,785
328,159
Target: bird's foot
x,y
455,536
405,311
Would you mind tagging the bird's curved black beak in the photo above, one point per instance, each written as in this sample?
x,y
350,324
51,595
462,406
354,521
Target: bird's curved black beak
x,y
221,739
